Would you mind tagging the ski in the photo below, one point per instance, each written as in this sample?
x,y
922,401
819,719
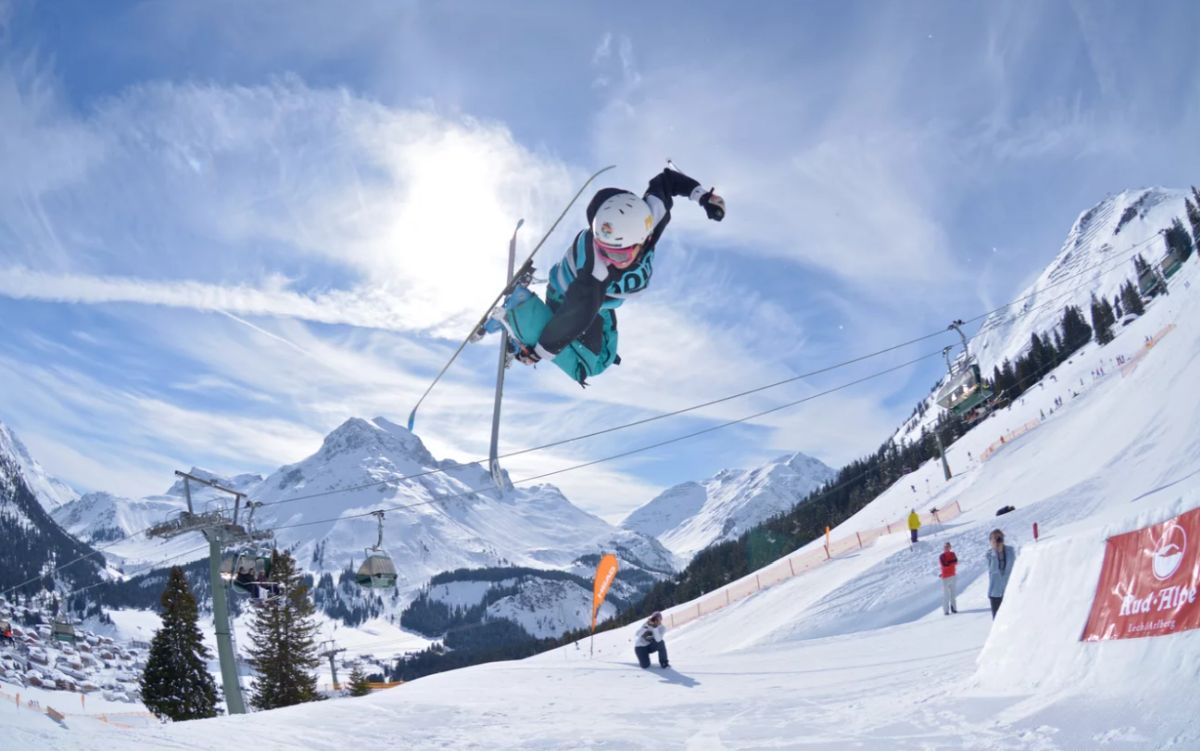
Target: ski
x,y
494,449
524,272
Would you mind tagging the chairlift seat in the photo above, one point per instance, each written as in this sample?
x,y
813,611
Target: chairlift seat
x,y
63,631
377,571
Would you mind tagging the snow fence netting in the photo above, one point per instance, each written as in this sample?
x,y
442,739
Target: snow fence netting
x,y
794,565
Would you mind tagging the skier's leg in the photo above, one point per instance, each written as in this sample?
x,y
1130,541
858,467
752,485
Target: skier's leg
x,y
953,594
946,584
527,317
995,605
662,655
643,656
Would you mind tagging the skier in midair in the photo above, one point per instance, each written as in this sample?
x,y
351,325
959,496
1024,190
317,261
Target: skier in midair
x,y
609,261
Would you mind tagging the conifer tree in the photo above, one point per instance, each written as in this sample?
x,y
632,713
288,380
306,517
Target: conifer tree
x,y
1193,213
1075,331
1140,264
359,684
1110,315
1116,304
1132,299
1179,240
1101,323
284,645
176,683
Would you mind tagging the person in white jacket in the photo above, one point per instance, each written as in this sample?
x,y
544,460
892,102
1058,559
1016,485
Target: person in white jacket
x,y
650,639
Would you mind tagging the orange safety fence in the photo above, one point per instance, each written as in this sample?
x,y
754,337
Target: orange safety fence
x,y
1130,365
105,717
794,565
1008,438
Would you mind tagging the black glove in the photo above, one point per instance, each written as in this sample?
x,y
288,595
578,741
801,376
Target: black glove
x,y
528,356
713,205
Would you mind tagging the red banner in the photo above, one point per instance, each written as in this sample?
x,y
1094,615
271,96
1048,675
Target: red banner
x,y
1148,584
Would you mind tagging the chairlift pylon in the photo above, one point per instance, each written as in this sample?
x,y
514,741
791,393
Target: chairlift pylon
x,y
377,570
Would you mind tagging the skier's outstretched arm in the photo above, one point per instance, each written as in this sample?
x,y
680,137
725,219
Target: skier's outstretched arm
x,y
668,185
579,308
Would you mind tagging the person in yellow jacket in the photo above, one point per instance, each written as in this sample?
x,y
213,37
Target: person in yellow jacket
x,y
914,523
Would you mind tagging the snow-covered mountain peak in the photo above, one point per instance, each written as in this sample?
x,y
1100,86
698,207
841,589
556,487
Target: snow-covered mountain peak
x,y
50,491
374,438
1096,257
693,515
803,464
440,515
241,482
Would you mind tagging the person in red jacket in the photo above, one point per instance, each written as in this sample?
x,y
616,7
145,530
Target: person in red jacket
x,y
949,563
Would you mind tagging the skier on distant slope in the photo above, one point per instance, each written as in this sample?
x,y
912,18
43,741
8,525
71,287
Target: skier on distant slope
x,y
611,260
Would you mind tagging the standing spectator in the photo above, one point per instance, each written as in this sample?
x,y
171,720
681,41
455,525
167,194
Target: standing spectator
x,y
650,639
1000,559
914,523
949,563
6,633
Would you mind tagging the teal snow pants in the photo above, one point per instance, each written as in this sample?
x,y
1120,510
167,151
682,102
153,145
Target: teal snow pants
x,y
587,356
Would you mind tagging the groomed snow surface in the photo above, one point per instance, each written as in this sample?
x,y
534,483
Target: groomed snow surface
x,y
857,653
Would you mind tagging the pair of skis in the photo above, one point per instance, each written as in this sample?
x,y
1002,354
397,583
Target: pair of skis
x,y
516,277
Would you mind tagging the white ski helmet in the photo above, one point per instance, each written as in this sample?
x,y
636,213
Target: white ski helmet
x,y
622,220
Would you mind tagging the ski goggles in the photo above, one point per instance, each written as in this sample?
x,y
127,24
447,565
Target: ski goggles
x,y
619,255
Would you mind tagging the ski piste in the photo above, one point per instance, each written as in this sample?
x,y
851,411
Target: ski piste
x,y
525,271
494,449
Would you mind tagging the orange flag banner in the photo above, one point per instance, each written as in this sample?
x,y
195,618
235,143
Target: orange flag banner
x,y
605,573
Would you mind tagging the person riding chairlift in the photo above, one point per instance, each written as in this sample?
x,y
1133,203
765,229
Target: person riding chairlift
x,y
245,579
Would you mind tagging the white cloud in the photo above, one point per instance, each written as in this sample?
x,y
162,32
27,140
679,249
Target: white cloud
x,y
281,204
275,199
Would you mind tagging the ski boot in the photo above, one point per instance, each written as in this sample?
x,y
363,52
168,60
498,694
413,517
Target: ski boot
x,y
496,320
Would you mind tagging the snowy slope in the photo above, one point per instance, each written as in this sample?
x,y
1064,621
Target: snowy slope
x,y
1096,257
437,521
50,491
691,516
857,654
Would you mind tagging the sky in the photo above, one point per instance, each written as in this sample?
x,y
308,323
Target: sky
x,y
227,227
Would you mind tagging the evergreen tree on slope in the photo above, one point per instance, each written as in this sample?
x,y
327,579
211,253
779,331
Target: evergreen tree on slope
x,y
1102,320
176,683
1075,331
1179,240
1193,213
359,685
283,635
1132,299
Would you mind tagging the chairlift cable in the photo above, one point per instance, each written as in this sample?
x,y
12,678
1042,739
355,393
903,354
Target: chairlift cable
x,y
1120,259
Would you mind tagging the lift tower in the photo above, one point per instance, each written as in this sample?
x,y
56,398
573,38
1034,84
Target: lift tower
x,y
220,528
